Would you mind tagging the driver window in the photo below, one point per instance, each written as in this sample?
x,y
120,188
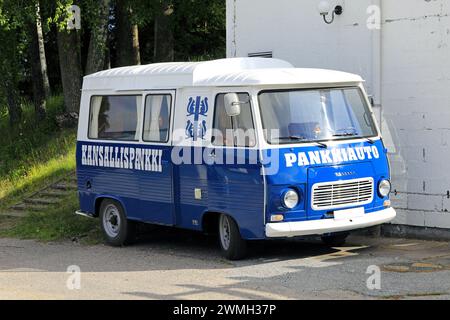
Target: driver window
x,y
236,131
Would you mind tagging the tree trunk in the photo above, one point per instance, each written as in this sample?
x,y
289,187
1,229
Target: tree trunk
x,y
14,109
164,40
128,50
42,57
98,48
70,65
136,46
41,86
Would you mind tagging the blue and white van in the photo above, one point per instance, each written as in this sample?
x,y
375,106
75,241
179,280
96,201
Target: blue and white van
x,y
250,148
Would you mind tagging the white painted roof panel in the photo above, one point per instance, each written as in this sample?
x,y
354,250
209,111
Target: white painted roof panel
x,y
225,72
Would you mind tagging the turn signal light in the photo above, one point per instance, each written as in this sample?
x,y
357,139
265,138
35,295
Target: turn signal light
x,y
277,218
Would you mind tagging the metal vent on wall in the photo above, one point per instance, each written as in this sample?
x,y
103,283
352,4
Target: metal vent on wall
x,y
267,54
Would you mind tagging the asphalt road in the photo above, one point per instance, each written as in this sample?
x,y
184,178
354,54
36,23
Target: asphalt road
x,y
173,264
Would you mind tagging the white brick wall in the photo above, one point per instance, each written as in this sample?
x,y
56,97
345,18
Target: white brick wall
x,y
415,79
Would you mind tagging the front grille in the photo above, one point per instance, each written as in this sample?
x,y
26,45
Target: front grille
x,y
341,194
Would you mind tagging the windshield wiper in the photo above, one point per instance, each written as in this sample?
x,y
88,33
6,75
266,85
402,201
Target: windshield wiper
x,y
321,144
353,134
292,138
346,134
300,138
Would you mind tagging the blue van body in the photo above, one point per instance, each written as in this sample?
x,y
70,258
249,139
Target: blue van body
x,y
166,197
153,188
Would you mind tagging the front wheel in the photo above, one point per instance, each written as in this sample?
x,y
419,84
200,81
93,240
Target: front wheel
x,y
232,245
117,230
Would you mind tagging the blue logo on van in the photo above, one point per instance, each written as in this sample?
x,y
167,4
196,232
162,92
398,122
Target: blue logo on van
x,y
197,110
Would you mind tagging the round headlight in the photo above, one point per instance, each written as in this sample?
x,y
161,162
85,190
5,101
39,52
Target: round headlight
x,y
290,199
384,188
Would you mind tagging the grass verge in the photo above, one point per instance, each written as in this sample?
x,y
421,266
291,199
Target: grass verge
x,y
59,223
34,154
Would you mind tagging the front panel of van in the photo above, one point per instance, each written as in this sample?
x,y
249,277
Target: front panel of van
x,y
323,144
326,185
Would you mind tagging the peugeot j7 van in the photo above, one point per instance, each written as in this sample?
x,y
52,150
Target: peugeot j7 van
x,y
250,148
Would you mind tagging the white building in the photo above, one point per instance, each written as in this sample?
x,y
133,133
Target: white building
x,y
405,60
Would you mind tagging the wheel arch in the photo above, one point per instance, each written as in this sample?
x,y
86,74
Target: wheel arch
x,y
210,221
99,200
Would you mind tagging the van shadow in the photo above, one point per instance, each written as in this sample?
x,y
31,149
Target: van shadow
x,y
168,249
250,277
199,246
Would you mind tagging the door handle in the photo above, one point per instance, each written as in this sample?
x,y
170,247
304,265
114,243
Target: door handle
x,y
212,154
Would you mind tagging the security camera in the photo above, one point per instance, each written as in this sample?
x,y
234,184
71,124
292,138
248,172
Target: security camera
x,y
324,8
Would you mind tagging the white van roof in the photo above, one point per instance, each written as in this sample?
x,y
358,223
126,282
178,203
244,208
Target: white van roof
x,y
224,72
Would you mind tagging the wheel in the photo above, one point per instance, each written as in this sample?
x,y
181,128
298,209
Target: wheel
x,y
232,245
117,230
335,240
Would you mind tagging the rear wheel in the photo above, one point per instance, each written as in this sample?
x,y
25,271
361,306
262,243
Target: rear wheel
x,y
335,240
117,230
232,245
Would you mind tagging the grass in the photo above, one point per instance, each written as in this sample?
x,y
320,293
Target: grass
x,y
57,224
34,154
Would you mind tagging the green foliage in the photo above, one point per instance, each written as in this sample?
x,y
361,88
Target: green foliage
x,y
198,26
199,29
14,19
58,13
33,154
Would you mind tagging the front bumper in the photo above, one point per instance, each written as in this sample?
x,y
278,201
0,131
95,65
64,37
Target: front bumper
x,y
320,227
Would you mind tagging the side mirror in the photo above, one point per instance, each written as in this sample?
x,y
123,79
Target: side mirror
x,y
232,104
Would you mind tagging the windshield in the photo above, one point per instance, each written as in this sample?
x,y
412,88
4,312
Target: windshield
x,y
298,116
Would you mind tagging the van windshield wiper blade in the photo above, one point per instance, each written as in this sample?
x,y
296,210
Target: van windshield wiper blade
x,y
292,138
353,134
321,144
346,134
300,138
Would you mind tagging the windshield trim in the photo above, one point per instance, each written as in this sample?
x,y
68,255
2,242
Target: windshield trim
x,y
306,142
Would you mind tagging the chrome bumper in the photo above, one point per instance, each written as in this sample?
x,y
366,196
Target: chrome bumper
x,y
320,227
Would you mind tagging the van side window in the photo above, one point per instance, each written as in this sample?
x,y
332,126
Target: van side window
x,y
157,118
234,131
115,118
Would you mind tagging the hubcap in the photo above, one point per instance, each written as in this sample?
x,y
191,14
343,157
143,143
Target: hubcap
x,y
225,232
111,221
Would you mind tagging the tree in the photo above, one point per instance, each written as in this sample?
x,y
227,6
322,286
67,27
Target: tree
x,y
127,33
164,40
98,44
199,28
38,61
183,30
70,65
69,50
10,57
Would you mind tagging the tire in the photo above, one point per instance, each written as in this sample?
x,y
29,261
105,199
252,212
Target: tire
x,y
335,240
117,230
231,243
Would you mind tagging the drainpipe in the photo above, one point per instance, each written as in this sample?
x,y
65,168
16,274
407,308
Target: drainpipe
x,y
377,65
232,28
